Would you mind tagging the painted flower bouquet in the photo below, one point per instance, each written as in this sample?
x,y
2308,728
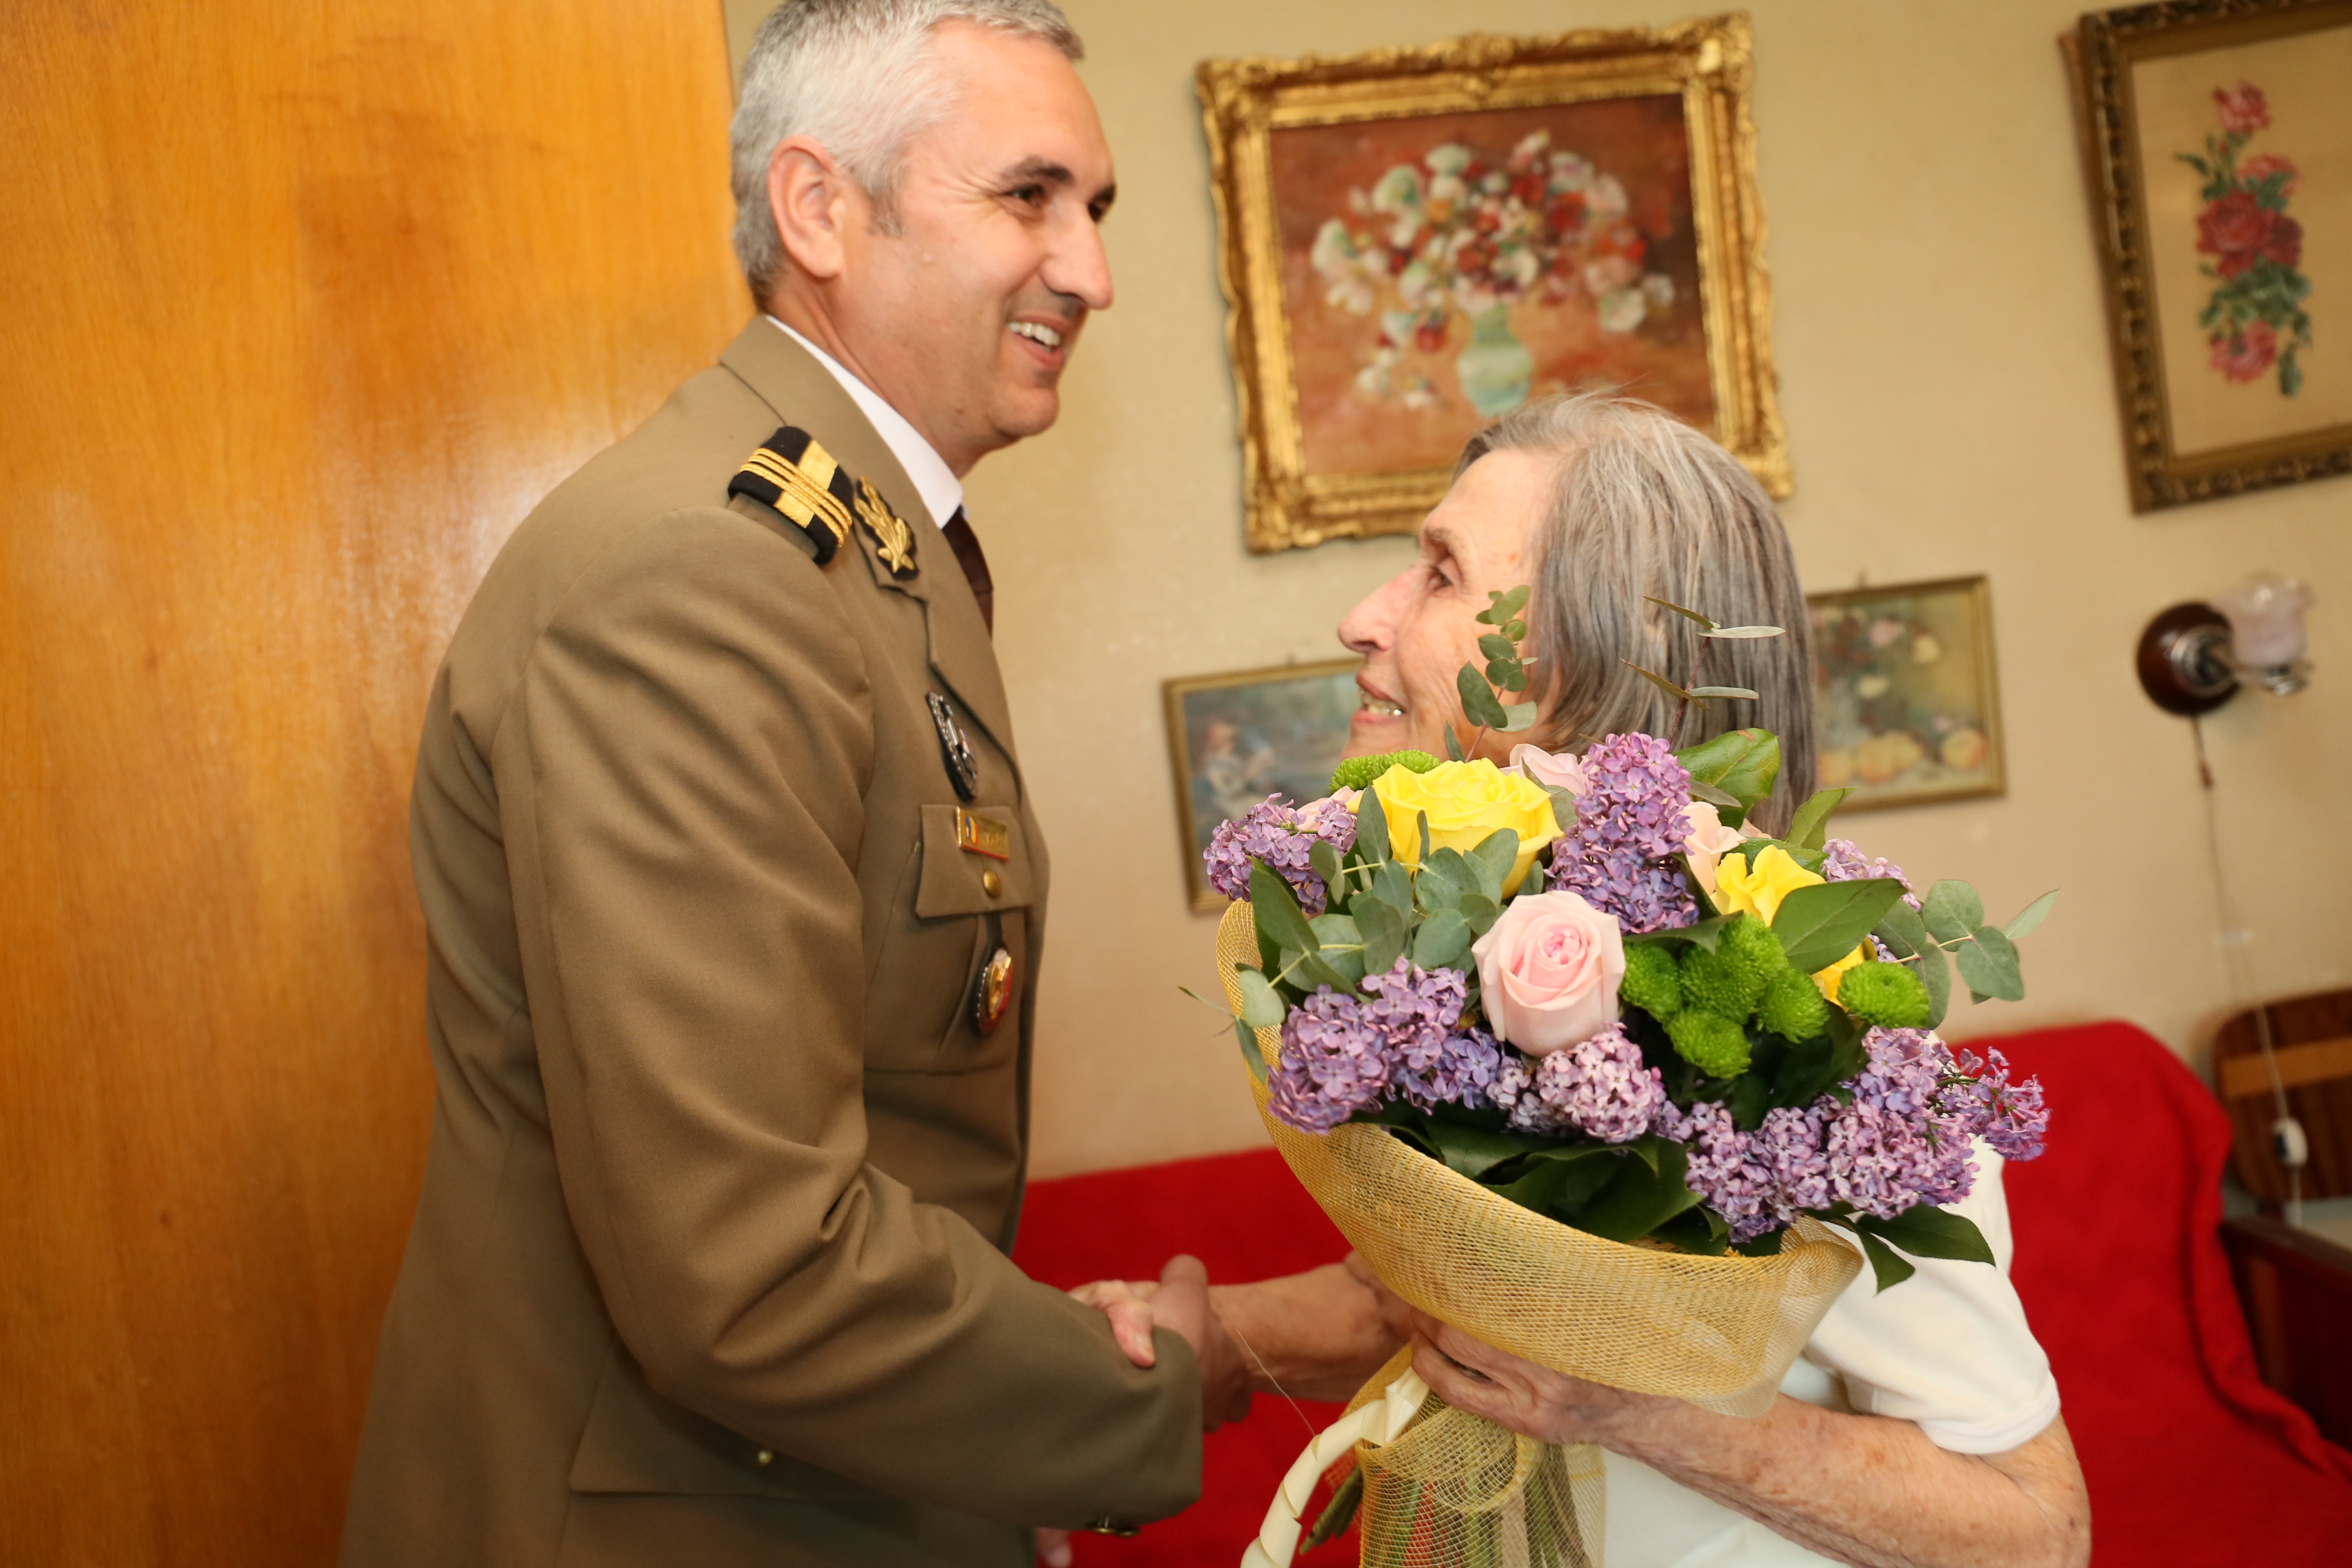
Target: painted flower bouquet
x,y
1588,993
2254,316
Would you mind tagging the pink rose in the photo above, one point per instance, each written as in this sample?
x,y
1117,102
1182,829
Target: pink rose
x,y
2262,165
1563,770
2246,355
2243,109
1549,971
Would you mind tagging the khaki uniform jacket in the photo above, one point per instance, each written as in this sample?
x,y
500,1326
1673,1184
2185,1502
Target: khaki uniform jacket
x,y
711,1261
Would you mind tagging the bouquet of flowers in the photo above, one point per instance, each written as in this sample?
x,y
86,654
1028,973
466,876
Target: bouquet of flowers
x,y
1583,1062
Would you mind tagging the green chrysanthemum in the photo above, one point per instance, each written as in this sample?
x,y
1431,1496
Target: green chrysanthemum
x,y
1357,772
1729,980
1885,994
1710,1042
1651,981
1792,1006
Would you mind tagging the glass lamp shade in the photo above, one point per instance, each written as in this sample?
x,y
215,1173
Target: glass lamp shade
x,y
2265,616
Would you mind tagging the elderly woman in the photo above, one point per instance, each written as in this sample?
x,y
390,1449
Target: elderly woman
x,y
1921,1425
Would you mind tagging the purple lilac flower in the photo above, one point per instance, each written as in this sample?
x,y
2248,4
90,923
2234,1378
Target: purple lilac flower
x,y
1725,1168
1514,1093
1282,836
1462,1071
1629,828
1904,1140
1335,1062
1415,1011
2012,1118
1846,863
1602,1086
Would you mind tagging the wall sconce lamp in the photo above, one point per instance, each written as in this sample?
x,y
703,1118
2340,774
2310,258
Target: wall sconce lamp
x,y
2194,657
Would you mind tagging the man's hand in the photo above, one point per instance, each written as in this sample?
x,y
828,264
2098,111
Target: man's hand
x,y
1178,1299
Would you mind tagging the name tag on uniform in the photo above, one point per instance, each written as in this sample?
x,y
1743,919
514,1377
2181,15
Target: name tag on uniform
x,y
981,836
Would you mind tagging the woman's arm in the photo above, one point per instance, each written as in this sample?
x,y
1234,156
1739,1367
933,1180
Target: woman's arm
x,y
1316,1335
1860,1488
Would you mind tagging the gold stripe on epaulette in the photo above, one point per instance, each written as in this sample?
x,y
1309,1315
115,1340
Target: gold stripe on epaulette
x,y
818,465
803,502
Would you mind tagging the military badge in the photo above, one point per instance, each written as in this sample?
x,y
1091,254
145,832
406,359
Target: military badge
x,y
893,540
991,993
963,768
795,476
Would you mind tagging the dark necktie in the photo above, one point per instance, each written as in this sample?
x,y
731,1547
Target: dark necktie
x,y
966,545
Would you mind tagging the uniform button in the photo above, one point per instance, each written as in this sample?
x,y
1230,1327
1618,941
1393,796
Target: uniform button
x,y
991,883
765,1458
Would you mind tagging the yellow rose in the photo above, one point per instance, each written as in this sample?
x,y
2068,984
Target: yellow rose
x,y
1465,802
1741,888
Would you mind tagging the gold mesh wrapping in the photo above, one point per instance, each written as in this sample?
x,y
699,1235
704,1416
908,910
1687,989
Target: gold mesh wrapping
x,y
1455,1489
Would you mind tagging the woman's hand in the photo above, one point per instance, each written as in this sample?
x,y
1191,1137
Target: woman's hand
x,y
1537,1401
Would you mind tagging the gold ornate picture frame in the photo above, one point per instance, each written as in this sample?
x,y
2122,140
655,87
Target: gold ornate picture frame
x,y
1906,695
2198,117
1394,224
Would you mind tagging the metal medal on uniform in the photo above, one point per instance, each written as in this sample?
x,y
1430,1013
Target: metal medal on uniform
x,y
963,768
991,993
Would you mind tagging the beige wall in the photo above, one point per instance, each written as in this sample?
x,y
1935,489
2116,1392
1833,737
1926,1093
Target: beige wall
x,y
1945,378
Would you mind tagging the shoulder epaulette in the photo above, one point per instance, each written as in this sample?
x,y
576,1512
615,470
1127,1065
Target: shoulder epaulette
x,y
792,473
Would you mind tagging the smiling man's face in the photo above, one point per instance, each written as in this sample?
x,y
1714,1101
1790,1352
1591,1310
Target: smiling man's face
x,y
963,309
1418,629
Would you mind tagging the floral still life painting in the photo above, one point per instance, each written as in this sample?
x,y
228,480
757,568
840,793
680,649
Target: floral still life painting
x,y
2255,319
1417,241
1904,696
2219,138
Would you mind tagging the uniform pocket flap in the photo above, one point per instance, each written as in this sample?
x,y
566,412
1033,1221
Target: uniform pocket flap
x,y
973,862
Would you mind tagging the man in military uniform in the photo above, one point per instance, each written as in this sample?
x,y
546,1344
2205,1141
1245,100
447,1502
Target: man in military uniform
x,y
735,897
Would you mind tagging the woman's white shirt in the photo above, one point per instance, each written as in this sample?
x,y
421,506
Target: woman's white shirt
x,y
1948,1349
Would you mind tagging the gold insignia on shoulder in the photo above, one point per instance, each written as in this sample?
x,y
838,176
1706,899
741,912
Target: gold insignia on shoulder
x,y
893,540
793,475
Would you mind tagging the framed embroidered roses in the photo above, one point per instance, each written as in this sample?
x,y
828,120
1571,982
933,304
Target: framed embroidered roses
x,y
1236,739
2219,134
1417,241
1905,706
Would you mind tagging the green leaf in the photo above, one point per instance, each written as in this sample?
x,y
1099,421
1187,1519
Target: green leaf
x,y
1812,1068
1393,882
1492,860
1451,865
1990,967
1927,1231
1434,892
1325,859
1453,745
1517,716
1421,822
1474,1150
1503,608
2032,915
1383,928
1496,646
1712,692
1704,933
1478,700
1307,970
1952,910
1820,924
1480,912
1722,799
1695,1230
1340,1512
1810,859
1372,828
1810,826
1743,763
1891,1268
1443,938
1744,632
1903,930
1637,1199
1559,1180
1278,911
1660,681
1342,946
1935,972
1705,625
1262,1006
1252,1056
1563,808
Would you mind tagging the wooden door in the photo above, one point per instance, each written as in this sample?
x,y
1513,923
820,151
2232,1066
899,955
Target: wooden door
x,y
304,306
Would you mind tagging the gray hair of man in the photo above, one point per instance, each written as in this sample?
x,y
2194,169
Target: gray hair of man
x,y
1644,507
861,79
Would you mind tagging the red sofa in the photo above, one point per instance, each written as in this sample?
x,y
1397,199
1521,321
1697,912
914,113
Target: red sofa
x,y
2190,1460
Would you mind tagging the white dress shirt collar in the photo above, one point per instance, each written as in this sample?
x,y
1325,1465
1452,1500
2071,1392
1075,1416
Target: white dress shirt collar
x,y
935,483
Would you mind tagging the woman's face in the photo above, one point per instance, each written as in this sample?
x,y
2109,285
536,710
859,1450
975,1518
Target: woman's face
x,y
1419,628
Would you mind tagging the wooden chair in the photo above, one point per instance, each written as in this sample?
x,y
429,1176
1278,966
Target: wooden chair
x,y
2296,1286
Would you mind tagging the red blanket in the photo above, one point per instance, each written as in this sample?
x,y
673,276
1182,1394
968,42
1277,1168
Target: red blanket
x,y
2190,1460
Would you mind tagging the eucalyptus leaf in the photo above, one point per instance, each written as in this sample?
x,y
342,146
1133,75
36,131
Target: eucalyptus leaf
x,y
1517,716
1437,892
1952,910
1492,859
1453,745
1480,912
1903,930
1810,826
1253,1059
1421,821
1343,947
1660,681
1262,1006
1309,970
1744,632
1383,927
1322,856
1820,924
2032,915
1705,625
1478,700
1990,966
1563,808
1743,763
1278,911
1708,691
1393,882
1496,646
1372,827
1935,972
1443,939
1502,671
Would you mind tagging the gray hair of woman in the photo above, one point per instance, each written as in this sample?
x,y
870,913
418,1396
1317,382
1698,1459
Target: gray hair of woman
x,y
860,77
1644,507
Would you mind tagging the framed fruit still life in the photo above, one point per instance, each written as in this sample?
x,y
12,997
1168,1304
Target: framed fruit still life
x,y
1907,704
1417,241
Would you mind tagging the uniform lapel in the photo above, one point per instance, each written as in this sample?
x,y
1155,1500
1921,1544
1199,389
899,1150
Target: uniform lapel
x,y
790,380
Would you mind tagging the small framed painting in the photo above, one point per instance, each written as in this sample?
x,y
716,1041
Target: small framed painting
x,y
1907,708
1236,739
1417,241
2217,134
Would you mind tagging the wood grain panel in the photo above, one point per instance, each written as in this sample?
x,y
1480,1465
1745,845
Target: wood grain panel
x,y
306,305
